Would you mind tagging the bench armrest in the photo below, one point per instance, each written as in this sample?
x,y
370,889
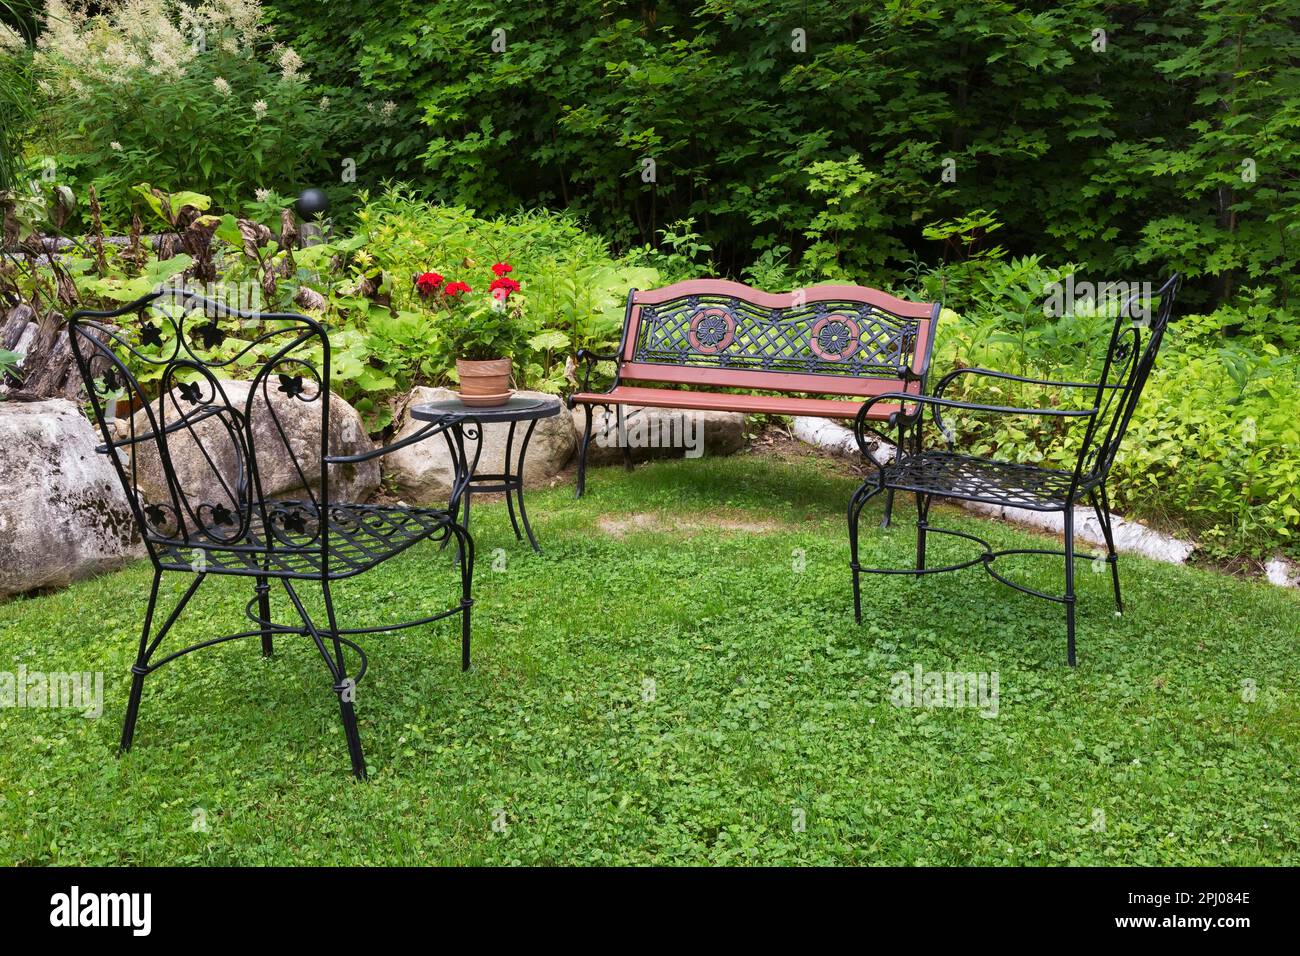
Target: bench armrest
x,y
591,357
434,427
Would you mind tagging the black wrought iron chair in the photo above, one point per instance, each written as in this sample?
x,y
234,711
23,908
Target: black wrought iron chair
x,y
188,413
932,473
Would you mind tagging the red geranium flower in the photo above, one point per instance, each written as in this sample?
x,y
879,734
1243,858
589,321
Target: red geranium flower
x,y
426,283
502,268
456,288
505,285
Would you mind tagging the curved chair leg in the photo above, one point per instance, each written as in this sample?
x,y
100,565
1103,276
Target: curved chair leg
x,y
582,453
347,709
137,670
922,524
465,547
856,503
346,688
1069,583
264,612
889,508
141,666
132,709
1102,507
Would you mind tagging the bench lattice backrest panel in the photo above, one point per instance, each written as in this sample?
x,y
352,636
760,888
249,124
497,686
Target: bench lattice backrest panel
x,y
715,332
818,338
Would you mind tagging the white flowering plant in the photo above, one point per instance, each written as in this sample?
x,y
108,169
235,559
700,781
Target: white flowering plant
x,y
194,96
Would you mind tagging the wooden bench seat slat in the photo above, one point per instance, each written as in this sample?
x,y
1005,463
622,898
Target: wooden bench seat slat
x,y
723,402
862,388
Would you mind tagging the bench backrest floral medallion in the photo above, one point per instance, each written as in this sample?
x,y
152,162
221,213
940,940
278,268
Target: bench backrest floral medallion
x,y
829,339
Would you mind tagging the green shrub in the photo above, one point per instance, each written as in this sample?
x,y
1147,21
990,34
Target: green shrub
x,y
181,96
385,337
1133,137
1216,443
575,290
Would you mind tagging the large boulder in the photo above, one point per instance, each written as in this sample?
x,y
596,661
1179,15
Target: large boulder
x,y
63,514
422,472
660,433
286,445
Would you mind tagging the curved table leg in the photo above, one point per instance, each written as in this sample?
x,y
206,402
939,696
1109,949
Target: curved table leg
x,y
519,488
510,487
464,467
453,505
463,470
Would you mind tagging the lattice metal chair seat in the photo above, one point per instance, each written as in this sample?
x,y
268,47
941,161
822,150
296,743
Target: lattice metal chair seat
x,y
360,538
931,473
194,463
966,477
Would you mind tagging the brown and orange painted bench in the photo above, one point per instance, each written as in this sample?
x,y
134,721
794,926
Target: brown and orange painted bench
x,y
823,351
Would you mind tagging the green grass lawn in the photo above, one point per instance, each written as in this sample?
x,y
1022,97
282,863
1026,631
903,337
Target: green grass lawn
x,y
678,679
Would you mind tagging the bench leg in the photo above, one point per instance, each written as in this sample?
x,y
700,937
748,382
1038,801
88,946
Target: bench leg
x,y
622,441
582,453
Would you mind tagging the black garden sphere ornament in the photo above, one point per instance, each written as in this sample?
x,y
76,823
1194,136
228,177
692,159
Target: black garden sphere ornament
x,y
312,202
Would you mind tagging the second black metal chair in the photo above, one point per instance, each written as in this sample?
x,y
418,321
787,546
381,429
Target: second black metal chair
x,y
930,473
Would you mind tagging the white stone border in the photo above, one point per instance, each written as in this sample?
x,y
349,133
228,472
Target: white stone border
x,y
1131,537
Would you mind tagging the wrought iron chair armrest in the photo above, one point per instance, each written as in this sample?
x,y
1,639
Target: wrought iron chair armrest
x,y
935,401
206,412
993,373
937,404
900,420
590,355
904,419
434,427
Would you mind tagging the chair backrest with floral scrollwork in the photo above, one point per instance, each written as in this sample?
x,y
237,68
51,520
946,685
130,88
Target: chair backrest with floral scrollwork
x,y
195,403
1130,355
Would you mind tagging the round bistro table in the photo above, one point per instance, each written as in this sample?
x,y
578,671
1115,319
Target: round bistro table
x,y
467,423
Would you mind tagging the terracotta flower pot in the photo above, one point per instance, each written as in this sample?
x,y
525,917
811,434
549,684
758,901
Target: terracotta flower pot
x,y
484,384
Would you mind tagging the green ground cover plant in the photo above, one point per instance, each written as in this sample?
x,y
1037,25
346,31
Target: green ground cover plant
x,y
677,680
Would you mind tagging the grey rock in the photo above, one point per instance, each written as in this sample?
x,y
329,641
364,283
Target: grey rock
x,y
63,514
